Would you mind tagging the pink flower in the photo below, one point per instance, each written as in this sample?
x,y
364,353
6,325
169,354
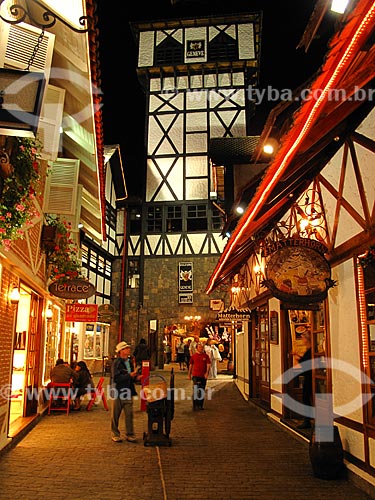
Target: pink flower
x,y
9,215
2,230
20,208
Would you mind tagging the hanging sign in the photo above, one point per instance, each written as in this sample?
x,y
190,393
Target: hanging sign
x,y
298,271
86,313
232,314
185,276
106,312
72,289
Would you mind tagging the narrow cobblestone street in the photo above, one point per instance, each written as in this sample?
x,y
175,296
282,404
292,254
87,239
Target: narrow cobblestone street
x,y
231,450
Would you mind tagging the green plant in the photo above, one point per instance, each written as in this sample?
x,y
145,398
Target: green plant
x,y
20,185
368,257
63,260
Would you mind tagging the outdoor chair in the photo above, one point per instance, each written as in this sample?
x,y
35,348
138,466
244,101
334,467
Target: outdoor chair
x,y
60,397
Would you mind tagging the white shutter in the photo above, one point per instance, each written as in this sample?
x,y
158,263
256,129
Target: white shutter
x,y
50,121
17,42
62,187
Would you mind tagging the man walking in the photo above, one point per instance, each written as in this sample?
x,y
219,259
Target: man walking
x,y
123,377
199,368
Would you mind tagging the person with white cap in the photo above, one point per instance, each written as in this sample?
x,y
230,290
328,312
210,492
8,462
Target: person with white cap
x,y
123,375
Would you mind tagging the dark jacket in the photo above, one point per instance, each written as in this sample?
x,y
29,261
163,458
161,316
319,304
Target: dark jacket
x,y
141,353
84,382
122,381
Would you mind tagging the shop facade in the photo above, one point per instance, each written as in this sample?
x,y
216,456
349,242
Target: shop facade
x,y
302,259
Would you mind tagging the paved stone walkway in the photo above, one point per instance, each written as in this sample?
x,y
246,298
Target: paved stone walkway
x,y
230,450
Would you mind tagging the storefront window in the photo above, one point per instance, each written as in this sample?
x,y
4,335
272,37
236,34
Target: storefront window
x,y
95,340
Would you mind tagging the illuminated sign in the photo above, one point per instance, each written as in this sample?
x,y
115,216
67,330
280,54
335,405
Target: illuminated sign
x,y
298,272
82,312
72,289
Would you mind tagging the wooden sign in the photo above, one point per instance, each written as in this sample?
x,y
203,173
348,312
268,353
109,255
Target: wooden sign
x,y
297,272
72,289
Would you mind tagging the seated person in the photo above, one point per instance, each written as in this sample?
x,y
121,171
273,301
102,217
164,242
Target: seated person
x,y
61,373
83,384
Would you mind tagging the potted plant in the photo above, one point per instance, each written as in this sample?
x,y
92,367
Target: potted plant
x,y
62,252
20,183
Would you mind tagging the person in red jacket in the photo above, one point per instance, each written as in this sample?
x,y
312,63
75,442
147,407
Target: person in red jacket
x,y
199,368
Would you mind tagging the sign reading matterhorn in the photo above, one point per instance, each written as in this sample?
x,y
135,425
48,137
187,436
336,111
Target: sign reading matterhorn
x,y
298,271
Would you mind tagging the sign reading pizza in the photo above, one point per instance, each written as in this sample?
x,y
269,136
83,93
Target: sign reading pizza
x,y
86,313
298,271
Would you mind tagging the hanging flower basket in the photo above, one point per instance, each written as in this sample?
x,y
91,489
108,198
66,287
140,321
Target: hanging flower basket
x,y
368,258
62,253
19,187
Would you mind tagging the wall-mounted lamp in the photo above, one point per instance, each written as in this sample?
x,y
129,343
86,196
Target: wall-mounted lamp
x,y
14,294
339,6
49,313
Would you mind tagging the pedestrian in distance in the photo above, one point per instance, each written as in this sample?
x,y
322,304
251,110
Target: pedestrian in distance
x,y
199,368
187,353
123,376
193,345
141,352
181,353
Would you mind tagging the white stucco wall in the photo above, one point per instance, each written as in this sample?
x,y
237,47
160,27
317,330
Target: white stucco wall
x,y
242,361
275,352
344,335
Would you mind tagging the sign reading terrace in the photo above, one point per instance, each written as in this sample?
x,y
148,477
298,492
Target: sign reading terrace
x,y
72,289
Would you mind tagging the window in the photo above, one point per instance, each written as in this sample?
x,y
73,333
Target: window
x,y
169,52
217,219
95,340
154,219
133,273
196,218
110,216
223,48
135,220
174,219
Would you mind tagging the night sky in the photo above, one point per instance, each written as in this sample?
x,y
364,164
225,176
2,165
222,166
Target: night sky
x,y
282,65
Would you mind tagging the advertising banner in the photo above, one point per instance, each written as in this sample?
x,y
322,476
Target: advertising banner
x,y
86,313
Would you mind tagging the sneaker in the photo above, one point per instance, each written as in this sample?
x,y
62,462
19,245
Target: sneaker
x,y
116,439
131,439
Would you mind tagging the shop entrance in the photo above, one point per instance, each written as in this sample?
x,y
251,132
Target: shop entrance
x,y
296,323
260,355
26,349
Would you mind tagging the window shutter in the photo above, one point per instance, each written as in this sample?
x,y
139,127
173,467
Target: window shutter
x,y
62,187
17,42
50,121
